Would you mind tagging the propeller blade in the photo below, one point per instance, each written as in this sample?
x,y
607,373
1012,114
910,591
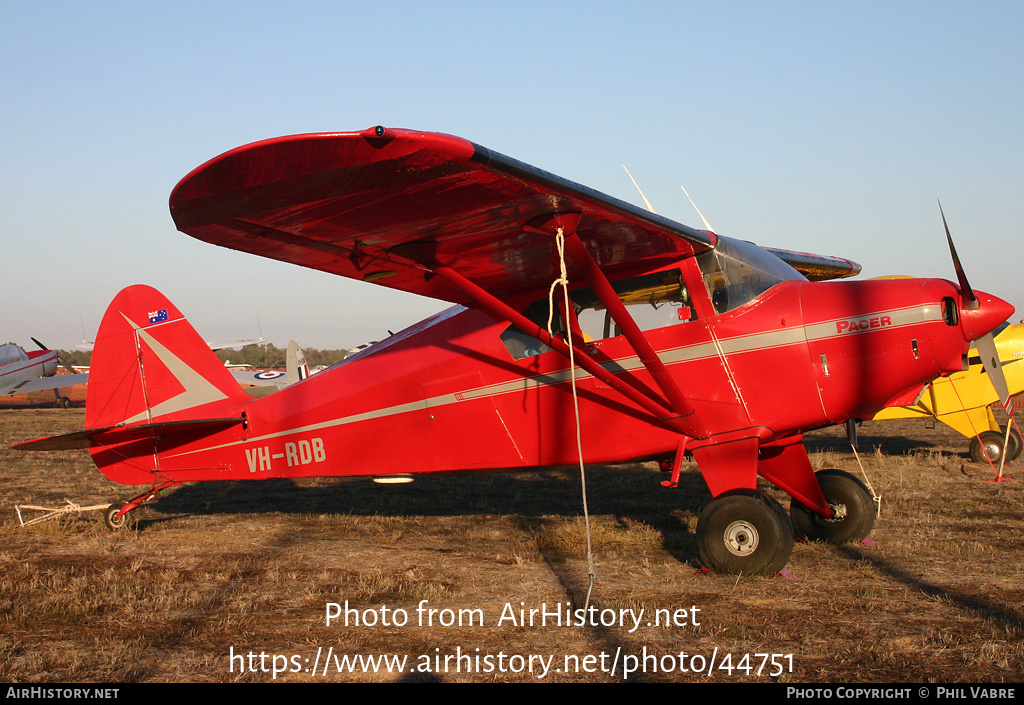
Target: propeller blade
x,y
66,366
41,346
970,299
986,346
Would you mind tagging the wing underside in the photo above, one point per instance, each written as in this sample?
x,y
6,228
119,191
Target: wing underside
x,y
381,204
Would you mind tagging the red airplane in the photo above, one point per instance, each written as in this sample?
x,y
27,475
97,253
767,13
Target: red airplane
x,y
687,342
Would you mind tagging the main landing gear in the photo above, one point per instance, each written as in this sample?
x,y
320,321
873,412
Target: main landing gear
x,y
988,446
852,503
746,531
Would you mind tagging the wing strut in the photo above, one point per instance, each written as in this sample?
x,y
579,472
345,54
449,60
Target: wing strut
x,y
677,413
503,310
603,288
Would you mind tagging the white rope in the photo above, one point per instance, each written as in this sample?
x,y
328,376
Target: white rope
x,y
876,497
563,279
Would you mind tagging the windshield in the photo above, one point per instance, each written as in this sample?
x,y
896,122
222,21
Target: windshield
x,y
736,272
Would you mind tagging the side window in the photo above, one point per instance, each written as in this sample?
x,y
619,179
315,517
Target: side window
x,y
521,345
653,300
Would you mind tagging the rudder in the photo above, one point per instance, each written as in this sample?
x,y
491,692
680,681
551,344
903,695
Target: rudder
x,y
150,365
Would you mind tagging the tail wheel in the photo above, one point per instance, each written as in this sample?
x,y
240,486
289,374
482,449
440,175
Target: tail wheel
x,y
128,520
744,531
851,502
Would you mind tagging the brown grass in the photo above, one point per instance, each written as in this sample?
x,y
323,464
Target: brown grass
x,y
935,597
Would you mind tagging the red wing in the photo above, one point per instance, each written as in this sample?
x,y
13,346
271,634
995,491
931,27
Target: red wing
x,y
348,203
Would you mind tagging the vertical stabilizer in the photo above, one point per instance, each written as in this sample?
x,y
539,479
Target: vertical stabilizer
x,y
296,368
150,365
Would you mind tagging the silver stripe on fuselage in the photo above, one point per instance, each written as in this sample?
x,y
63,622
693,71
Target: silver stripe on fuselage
x,y
783,337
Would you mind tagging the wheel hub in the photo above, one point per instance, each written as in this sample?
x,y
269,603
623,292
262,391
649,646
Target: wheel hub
x,y
839,513
741,538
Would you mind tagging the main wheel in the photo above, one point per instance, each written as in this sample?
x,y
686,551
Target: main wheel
x,y
988,446
852,503
128,520
744,531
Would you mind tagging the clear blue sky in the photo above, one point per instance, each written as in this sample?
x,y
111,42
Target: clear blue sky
x,y
824,127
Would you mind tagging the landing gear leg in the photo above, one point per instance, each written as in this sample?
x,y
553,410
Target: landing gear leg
x,y
744,531
120,516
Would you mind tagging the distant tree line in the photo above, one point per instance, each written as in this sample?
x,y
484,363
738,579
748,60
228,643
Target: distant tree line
x,y
75,357
267,355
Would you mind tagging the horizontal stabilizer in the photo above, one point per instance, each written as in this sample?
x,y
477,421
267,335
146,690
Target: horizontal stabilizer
x,y
112,435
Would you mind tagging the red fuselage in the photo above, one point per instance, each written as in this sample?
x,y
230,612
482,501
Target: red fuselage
x,y
449,394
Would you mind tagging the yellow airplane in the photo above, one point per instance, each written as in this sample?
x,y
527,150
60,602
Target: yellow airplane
x,y
963,400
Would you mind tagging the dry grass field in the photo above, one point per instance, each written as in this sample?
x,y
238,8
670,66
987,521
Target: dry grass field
x,y
247,570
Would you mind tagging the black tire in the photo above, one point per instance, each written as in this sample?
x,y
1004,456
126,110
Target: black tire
x,y
744,531
988,446
852,503
128,520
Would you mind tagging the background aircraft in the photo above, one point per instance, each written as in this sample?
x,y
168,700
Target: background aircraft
x,y
688,342
270,381
963,400
23,372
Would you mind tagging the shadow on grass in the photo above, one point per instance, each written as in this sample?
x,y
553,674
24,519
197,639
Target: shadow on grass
x,y
629,493
1009,620
894,445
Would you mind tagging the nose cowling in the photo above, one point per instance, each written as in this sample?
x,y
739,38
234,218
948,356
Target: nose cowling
x,y
50,367
983,315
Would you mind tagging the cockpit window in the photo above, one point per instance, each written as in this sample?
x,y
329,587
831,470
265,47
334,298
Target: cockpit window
x,y
736,272
653,300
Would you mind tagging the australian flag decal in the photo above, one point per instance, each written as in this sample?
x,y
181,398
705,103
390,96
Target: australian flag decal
x,y
158,316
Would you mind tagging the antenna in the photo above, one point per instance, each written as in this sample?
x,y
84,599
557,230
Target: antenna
x,y
648,203
707,225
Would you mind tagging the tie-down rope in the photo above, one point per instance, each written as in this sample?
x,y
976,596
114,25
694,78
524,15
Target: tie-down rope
x,y
563,280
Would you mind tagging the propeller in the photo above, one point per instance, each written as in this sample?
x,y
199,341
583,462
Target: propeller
x,y
970,300
60,360
985,344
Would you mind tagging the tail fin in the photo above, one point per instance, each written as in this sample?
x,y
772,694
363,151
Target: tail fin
x,y
150,365
153,385
296,368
